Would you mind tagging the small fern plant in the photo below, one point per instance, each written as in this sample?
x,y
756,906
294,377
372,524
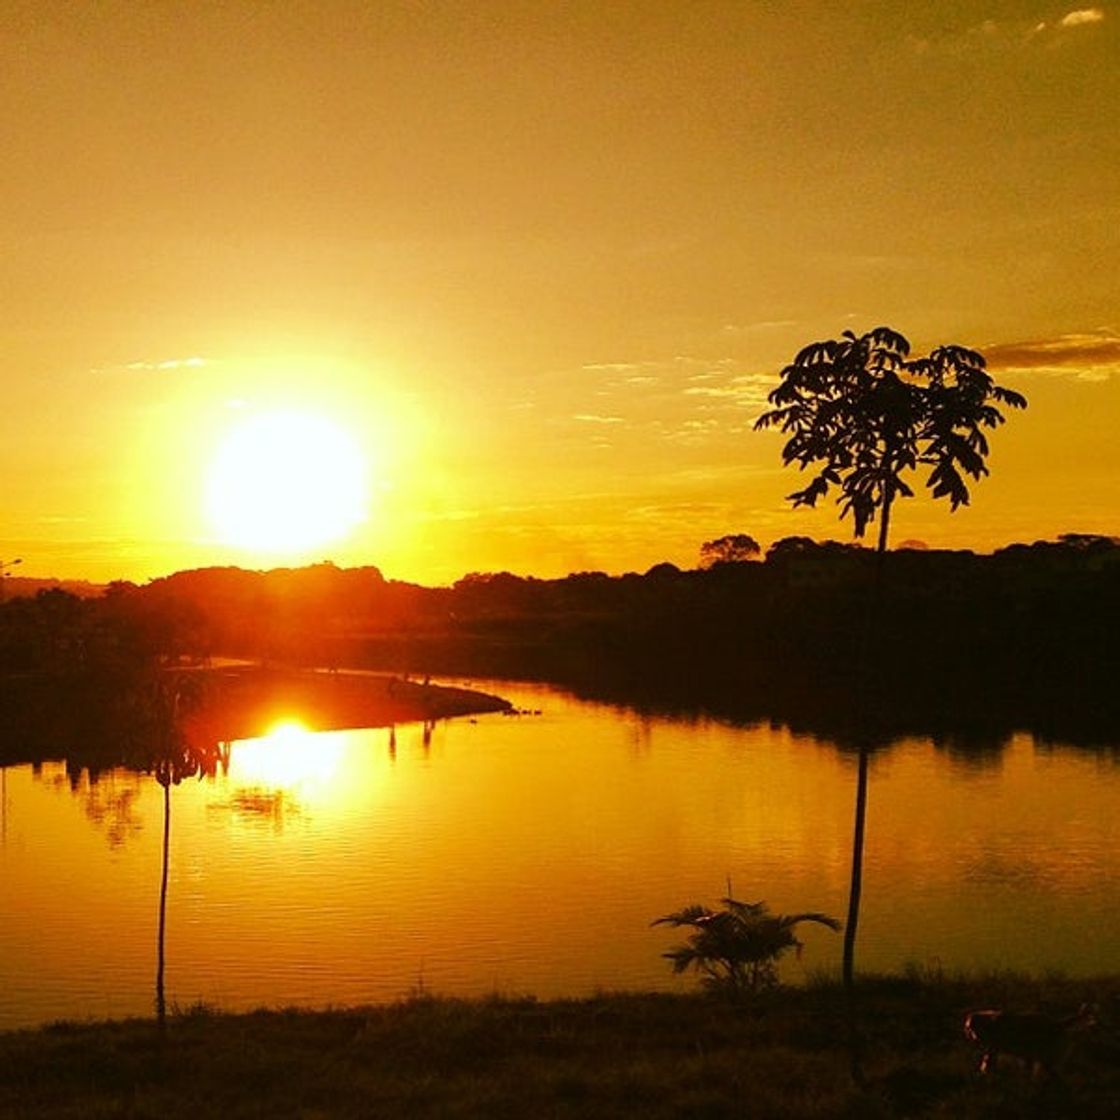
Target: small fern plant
x,y
736,949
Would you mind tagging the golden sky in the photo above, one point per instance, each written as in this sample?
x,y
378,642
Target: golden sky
x,y
540,262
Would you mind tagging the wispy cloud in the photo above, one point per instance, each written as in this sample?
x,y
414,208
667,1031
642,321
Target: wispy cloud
x,y
661,513
1089,356
764,325
748,389
1081,17
169,364
1007,34
166,365
619,367
611,367
680,400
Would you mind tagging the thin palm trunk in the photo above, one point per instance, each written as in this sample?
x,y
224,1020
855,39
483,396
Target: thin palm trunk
x,y
161,1003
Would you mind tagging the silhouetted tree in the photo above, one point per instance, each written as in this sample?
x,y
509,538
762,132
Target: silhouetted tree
x,y
735,548
736,949
864,413
1089,542
791,546
664,570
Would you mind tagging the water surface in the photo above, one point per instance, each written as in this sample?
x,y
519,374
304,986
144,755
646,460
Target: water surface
x,y
529,855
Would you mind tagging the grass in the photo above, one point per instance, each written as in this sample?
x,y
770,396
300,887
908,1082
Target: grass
x,y
653,1056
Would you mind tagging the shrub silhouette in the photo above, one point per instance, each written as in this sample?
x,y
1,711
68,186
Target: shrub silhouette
x,y
737,949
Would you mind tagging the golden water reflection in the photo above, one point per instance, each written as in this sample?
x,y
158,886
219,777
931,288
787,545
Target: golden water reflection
x,y
290,757
292,773
530,855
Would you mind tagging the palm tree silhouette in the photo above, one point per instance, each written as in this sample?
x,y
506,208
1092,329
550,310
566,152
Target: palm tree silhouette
x,y
737,948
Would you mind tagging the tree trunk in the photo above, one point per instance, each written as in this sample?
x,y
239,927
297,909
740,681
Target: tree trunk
x,y
161,1003
864,702
851,925
884,522
856,889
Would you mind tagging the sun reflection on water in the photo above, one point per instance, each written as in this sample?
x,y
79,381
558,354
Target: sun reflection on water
x,y
290,757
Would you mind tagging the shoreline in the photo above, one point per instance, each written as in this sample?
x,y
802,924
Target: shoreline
x,y
99,722
241,702
783,1053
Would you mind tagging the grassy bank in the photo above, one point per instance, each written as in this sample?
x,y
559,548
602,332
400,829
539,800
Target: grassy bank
x,y
612,1056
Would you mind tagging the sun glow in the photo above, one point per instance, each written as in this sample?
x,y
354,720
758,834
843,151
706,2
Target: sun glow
x,y
289,757
286,482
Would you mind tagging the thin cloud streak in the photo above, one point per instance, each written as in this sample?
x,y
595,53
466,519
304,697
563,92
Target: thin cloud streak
x,y
1081,17
1087,356
1008,34
166,365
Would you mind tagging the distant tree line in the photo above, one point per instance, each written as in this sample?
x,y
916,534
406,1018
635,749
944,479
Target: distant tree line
x,y
1023,637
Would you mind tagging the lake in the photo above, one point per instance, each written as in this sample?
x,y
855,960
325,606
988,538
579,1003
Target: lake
x,y
529,854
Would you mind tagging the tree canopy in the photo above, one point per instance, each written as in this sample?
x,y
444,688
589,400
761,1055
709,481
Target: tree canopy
x,y
735,548
864,412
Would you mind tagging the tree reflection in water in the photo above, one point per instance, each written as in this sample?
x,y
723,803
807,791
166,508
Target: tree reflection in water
x,y
170,758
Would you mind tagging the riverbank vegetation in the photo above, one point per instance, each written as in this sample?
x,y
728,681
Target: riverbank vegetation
x,y
779,1054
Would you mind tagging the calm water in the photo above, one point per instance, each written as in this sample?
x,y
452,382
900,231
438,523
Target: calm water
x,y
530,854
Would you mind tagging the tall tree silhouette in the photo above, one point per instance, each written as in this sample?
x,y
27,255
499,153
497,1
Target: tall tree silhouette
x,y
864,414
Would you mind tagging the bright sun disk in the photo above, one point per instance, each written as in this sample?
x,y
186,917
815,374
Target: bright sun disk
x,y
286,482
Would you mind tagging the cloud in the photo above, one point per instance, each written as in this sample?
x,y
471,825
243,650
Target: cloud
x,y
678,400
166,365
1088,356
611,367
751,389
688,513
764,325
1081,17
999,35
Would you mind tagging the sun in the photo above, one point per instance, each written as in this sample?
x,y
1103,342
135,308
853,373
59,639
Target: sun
x,y
286,482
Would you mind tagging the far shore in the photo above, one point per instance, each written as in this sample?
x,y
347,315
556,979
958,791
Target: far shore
x,y
783,1054
58,716
242,701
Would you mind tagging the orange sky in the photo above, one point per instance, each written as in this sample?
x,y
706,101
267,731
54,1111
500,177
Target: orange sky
x,y
541,262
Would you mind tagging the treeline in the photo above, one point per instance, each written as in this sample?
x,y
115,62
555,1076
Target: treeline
x,y
80,678
1023,638
959,644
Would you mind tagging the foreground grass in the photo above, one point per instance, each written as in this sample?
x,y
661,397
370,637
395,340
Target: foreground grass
x,y
612,1056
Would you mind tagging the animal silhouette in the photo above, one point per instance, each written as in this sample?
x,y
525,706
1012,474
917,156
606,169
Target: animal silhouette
x,y
1041,1042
